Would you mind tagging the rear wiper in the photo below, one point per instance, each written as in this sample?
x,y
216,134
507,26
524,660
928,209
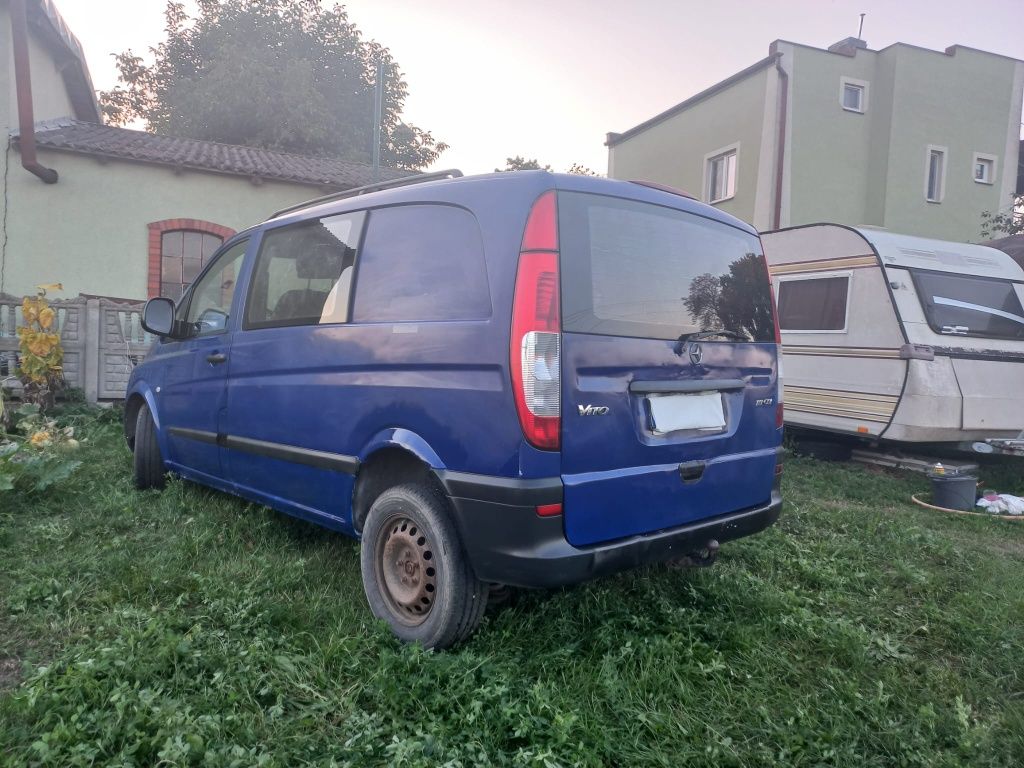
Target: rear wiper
x,y
711,333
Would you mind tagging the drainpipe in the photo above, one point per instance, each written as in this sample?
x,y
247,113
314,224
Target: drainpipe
x,y
23,81
780,156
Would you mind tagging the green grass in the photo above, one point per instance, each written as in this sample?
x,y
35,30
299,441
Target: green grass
x,y
191,628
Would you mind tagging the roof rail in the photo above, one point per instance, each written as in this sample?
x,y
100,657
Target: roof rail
x,y
404,181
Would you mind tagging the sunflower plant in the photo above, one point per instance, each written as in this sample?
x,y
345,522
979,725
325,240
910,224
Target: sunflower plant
x,y
40,350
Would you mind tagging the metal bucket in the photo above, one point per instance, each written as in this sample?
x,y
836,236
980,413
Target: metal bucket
x,y
954,491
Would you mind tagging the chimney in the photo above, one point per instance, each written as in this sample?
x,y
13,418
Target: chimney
x,y
848,46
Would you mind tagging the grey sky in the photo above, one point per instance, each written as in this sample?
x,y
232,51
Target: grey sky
x,y
548,79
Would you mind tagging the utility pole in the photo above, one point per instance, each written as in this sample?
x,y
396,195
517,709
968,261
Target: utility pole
x,y
378,108
860,30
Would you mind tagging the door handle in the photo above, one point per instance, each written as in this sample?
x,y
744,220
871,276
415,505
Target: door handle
x,y
216,358
691,471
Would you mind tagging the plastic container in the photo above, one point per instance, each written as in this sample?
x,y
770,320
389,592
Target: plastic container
x,y
954,491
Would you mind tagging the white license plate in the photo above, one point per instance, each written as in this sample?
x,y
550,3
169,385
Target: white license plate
x,y
701,411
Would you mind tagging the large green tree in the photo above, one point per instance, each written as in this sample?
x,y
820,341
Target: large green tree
x,y
520,163
283,74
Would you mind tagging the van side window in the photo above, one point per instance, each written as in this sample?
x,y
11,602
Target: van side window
x,y
303,273
421,263
209,299
813,304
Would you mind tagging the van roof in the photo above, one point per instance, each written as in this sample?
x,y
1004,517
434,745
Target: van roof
x,y
422,192
940,255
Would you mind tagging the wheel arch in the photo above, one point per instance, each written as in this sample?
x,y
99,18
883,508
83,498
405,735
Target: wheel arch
x,y
392,457
132,405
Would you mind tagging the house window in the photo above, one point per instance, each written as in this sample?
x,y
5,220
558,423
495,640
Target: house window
x,y
984,168
935,176
183,254
178,250
853,94
814,304
720,174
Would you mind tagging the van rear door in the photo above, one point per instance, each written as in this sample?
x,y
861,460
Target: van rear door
x,y
669,368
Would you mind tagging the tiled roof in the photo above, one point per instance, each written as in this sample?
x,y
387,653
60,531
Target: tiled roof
x,y
139,146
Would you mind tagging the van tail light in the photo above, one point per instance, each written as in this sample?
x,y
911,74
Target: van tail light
x,y
779,409
534,350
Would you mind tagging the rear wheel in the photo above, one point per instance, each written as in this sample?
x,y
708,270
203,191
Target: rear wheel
x,y
149,464
415,573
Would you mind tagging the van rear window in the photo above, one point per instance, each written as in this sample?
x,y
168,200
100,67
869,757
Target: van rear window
x,y
962,305
636,269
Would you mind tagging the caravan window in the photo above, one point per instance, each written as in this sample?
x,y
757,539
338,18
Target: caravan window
x,y
962,305
813,303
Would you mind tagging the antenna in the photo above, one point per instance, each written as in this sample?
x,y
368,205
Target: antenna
x,y
860,30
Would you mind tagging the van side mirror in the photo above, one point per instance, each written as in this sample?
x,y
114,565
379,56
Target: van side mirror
x,y
158,319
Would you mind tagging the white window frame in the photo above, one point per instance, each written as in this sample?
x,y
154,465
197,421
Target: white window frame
x,y
803,277
733,149
927,171
992,160
863,85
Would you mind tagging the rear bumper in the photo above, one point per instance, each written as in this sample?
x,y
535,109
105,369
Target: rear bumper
x,y
507,542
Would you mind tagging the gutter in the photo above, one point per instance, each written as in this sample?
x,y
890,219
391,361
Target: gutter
x,y
780,156
23,81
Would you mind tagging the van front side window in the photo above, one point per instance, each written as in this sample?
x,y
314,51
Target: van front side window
x,y
304,272
210,299
962,305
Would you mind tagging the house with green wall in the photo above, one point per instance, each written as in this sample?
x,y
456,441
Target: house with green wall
x,y
910,139
113,212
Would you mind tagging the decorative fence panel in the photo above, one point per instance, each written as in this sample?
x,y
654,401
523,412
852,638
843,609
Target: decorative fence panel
x,y
102,340
122,345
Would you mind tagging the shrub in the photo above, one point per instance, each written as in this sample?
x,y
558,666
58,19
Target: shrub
x,y
34,455
40,349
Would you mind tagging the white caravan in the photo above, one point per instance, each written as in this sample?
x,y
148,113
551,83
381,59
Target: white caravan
x,y
901,338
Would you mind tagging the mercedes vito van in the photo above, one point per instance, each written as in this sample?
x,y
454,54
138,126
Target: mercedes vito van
x,y
521,378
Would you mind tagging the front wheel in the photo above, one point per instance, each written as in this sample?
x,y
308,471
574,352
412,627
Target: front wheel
x,y
415,573
149,464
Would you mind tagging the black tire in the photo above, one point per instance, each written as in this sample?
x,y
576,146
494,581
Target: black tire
x,y
149,464
415,573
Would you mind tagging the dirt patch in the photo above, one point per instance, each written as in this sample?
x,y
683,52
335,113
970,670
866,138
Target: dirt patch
x,y
10,672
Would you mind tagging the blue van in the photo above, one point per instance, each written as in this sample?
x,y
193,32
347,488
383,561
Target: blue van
x,y
522,378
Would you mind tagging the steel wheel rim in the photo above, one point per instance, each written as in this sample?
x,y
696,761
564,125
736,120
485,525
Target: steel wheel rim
x,y
406,570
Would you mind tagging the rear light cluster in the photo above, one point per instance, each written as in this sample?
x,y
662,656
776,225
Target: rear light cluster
x,y
534,351
779,409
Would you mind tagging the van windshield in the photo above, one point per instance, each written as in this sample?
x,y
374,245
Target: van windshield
x,y
963,305
642,270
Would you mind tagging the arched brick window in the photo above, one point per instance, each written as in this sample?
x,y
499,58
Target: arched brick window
x,y
178,249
